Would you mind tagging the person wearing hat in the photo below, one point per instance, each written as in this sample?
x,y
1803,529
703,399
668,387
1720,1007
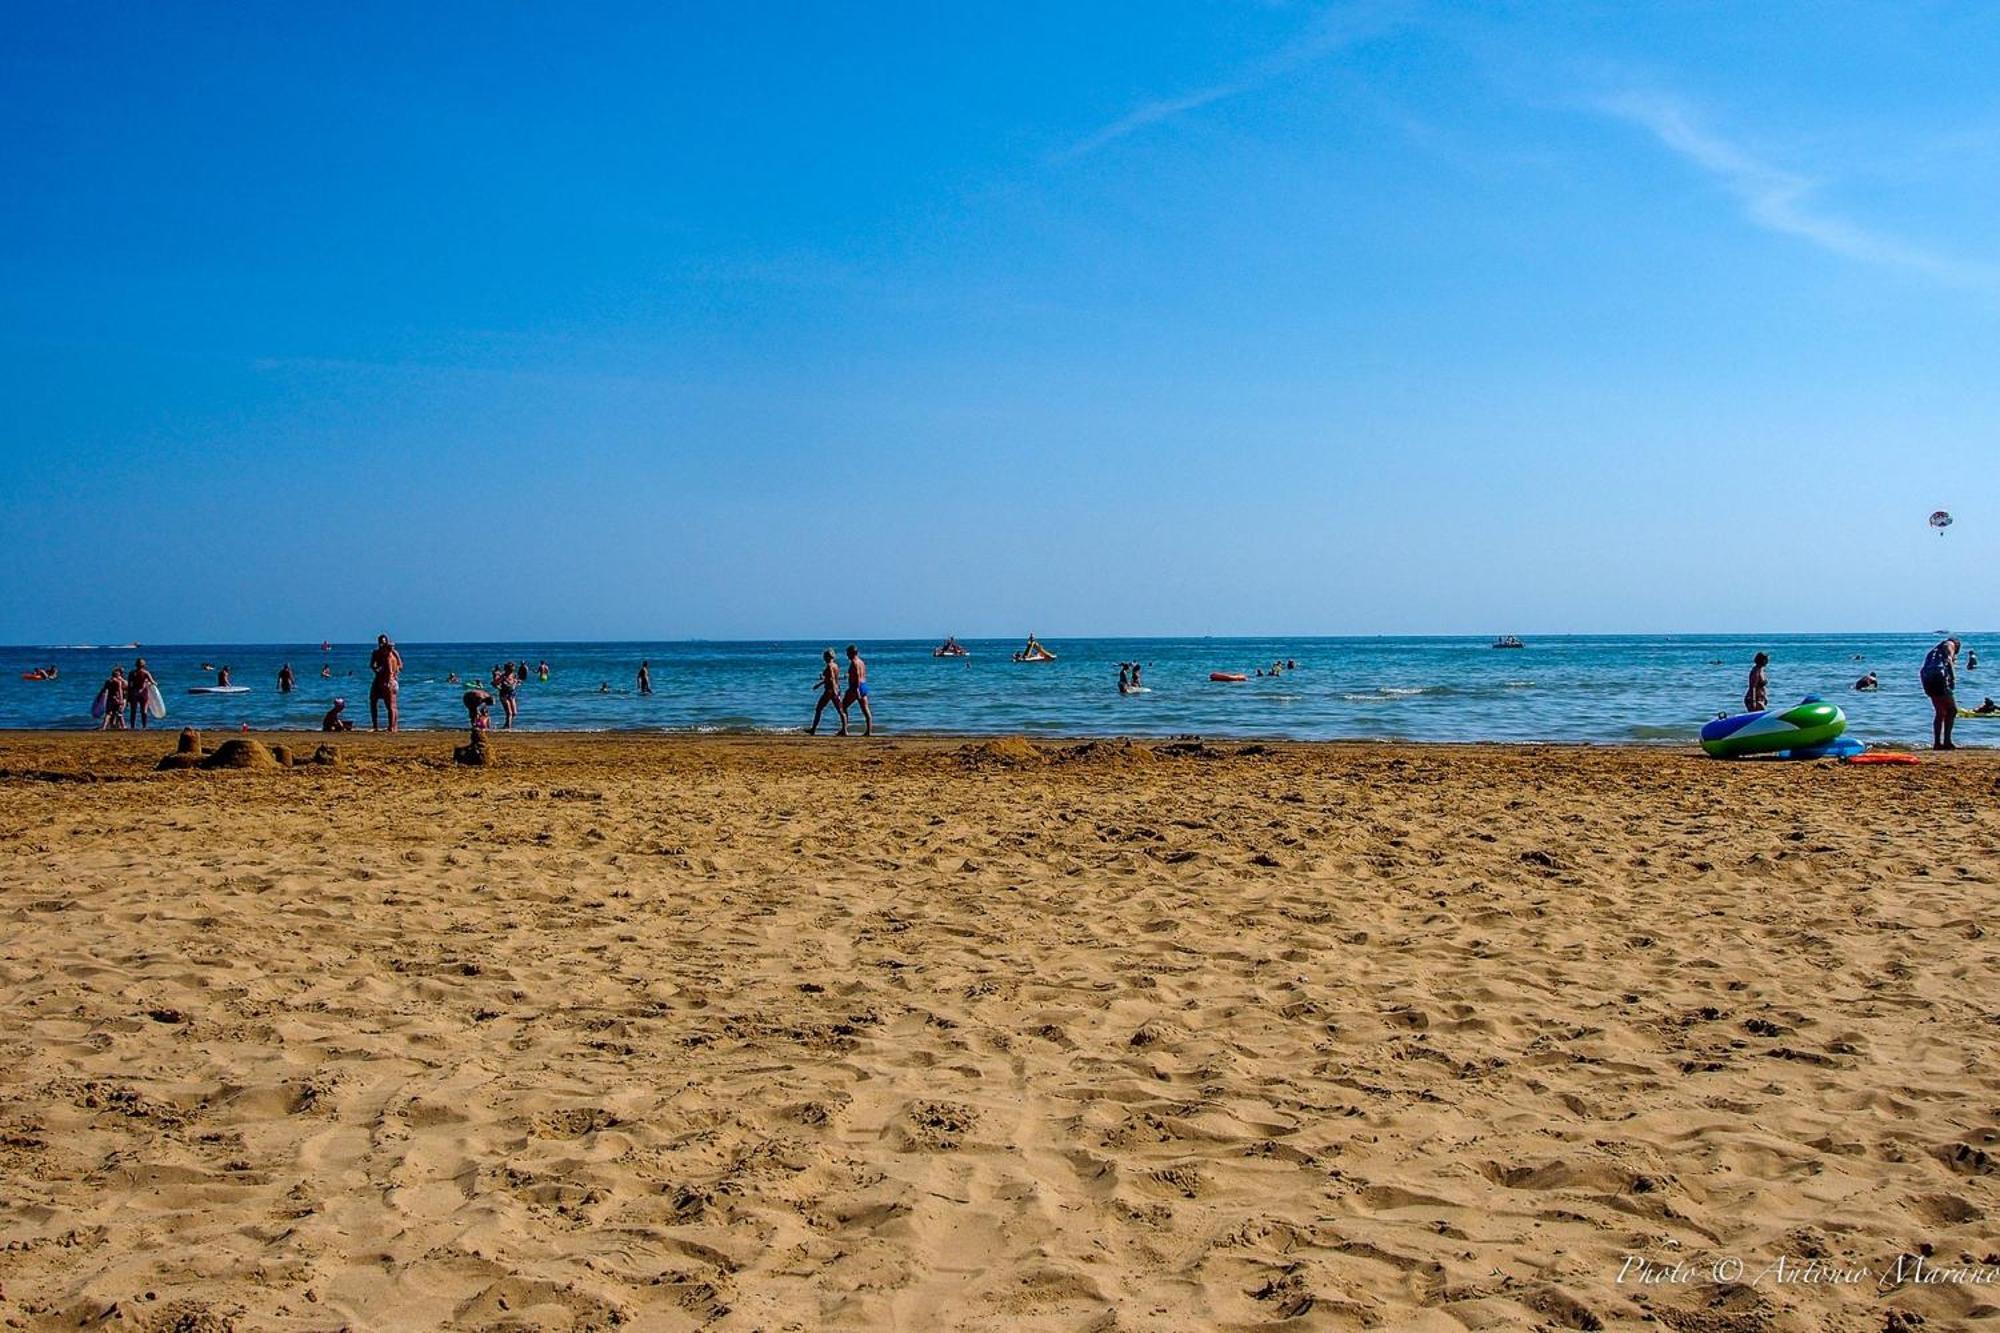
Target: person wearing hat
x,y
333,721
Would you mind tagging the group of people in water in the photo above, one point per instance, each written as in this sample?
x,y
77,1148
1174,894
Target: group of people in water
x,y
1938,675
129,699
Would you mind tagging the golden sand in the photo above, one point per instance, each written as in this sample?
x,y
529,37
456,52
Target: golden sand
x,y
673,1034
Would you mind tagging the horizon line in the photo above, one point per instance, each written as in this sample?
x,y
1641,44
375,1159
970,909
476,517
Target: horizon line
x,y
984,638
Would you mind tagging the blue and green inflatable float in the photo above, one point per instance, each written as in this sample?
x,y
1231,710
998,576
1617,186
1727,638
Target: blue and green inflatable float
x,y
1808,730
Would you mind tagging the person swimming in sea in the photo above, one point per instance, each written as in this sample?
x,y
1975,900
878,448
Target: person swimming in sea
x,y
829,693
1868,682
1987,709
1757,697
1939,676
857,691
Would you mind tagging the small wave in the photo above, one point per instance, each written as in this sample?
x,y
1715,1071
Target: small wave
x,y
1643,731
1389,692
1517,684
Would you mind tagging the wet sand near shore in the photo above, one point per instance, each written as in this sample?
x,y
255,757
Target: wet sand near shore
x,y
732,1033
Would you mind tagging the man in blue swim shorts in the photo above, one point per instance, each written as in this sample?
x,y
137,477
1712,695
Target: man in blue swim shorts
x,y
857,689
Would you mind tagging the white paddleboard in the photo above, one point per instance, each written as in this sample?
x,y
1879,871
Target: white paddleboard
x,y
156,707
219,689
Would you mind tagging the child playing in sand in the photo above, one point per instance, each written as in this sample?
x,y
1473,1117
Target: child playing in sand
x,y
333,721
478,708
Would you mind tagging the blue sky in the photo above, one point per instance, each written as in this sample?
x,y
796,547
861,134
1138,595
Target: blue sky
x,y
756,320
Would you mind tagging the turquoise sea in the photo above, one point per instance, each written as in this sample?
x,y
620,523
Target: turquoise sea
x,y
1610,689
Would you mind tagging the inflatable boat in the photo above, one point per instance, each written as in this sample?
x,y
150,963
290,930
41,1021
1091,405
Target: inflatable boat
x,y
1805,731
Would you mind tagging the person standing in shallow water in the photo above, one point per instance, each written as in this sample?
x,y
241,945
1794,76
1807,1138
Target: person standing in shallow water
x,y
136,686
114,702
1940,680
645,678
285,679
1757,697
509,686
387,664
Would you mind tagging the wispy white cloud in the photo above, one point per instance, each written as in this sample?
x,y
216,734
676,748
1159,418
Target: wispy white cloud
x,y
1332,30
1780,200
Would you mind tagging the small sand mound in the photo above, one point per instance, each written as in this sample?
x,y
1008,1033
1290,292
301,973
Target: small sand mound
x,y
1002,752
1105,754
187,752
1191,748
477,751
240,753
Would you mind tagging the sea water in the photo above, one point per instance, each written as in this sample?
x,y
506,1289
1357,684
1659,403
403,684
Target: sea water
x,y
1605,689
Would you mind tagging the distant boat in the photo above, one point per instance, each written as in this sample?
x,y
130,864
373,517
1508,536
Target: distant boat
x,y
1508,641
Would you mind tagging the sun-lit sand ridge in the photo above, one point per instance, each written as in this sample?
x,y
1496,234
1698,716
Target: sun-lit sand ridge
x,y
941,1034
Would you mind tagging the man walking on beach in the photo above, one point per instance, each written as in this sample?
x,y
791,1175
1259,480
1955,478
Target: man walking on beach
x,y
857,692
387,664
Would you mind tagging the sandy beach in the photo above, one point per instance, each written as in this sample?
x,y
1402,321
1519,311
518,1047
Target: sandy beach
x,y
765,1034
